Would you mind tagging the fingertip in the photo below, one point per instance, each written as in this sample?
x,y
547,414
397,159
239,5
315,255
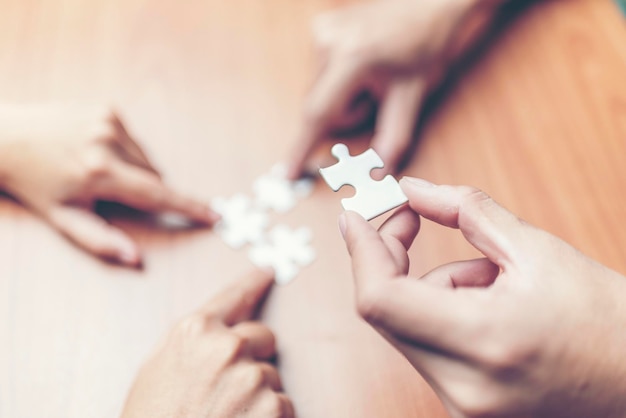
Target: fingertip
x,y
213,217
198,212
299,155
354,225
267,276
352,219
294,171
261,280
128,253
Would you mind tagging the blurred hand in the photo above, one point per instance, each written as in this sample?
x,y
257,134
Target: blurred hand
x,y
533,329
393,50
60,160
214,363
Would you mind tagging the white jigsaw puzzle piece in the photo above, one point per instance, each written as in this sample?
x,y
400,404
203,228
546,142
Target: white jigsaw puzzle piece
x,y
372,197
274,191
285,251
241,223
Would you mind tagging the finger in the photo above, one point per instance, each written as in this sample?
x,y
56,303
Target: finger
x,y
260,341
331,95
129,148
240,301
271,377
372,261
405,308
397,120
469,273
424,314
286,406
271,404
254,378
493,230
93,234
398,233
143,190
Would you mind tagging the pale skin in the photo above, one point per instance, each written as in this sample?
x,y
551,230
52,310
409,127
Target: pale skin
x,y
59,160
397,51
215,363
535,328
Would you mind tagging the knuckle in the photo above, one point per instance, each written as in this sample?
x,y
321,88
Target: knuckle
x,y
158,195
96,164
253,376
233,345
370,304
104,132
190,326
473,205
507,360
475,197
102,112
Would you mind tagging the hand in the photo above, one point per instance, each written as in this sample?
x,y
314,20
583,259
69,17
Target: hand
x,y
214,363
533,329
395,51
60,160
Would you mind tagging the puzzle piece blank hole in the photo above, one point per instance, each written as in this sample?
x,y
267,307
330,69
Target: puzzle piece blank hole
x,y
378,173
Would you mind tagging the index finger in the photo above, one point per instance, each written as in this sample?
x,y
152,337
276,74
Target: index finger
x,y
330,96
240,301
143,190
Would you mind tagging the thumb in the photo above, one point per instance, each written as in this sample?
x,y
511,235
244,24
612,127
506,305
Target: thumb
x,y
94,235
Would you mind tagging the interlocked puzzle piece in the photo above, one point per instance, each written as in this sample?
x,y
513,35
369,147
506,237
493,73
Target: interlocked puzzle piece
x,y
274,191
241,223
285,251
372,197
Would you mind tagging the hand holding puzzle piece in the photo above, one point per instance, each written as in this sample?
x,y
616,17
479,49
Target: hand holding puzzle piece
x,y
372,198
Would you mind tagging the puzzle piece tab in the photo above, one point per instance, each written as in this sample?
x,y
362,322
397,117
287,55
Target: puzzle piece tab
x,y
285,251
372,197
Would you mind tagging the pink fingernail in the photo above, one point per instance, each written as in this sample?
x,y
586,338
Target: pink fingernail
x,y
129,258
418,182
342,224
214,217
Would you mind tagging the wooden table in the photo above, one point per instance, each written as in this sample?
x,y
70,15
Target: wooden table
x,y
213,90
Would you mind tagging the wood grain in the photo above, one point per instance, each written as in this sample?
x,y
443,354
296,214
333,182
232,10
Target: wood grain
x,y
213,91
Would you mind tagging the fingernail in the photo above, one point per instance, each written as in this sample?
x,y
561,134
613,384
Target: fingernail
x,y
417,182
128,254
342,224
129,258
213,217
